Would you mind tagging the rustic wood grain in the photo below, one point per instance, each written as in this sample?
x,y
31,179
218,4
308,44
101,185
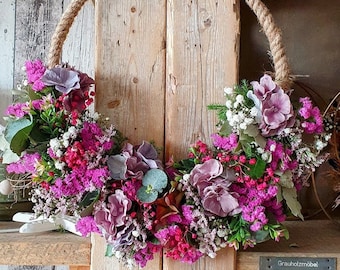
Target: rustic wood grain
x,y
79,47
7,34
74,267
35,23
130,66
130,80
202,59
36,267
51,248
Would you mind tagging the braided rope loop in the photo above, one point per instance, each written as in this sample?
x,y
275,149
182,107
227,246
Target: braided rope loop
x,y
62,30
274,36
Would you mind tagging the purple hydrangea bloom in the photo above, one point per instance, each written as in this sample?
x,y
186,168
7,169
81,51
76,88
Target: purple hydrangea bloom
x,y
112,215
213,188
133,161
64,80
277,110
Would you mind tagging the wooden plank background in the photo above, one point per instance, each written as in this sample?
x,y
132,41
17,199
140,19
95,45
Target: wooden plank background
x,y
158,64
26,27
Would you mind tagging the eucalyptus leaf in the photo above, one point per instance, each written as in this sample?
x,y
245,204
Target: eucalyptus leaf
x,y
286,179
252,131
290,196
155,178
109,251
260,140
147,194
225,129
8,156
261,236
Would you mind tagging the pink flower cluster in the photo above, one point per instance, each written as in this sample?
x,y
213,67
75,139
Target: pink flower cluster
x,y
312,115
35,70
176,246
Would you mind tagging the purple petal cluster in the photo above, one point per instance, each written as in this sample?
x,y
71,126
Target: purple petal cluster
x,y
133,161
64,80
277,110
112,216
213,188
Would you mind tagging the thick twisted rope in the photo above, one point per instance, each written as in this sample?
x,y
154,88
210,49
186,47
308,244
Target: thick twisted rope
x,y
62,30
274,36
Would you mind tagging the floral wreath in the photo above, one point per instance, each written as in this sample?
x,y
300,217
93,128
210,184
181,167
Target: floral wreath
x,y
235,193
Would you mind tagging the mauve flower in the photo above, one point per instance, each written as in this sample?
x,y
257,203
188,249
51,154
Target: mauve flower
x,y
264,87
276,109
213,188
112,215
133,161
63,79
218,200
277,112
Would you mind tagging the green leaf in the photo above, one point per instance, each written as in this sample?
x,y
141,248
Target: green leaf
x,y
89,198
185,165
147,195
225,129
257,170
261,236
155,178
17,134
109,251
290,196
7,154
252,131
286,179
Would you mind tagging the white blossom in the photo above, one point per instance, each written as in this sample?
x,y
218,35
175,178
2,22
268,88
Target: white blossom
x,y
228,90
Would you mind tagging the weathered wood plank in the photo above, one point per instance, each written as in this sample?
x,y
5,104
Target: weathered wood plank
x,y
130,80
202,59
7,34
51,248
27,267
130,68
35,23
